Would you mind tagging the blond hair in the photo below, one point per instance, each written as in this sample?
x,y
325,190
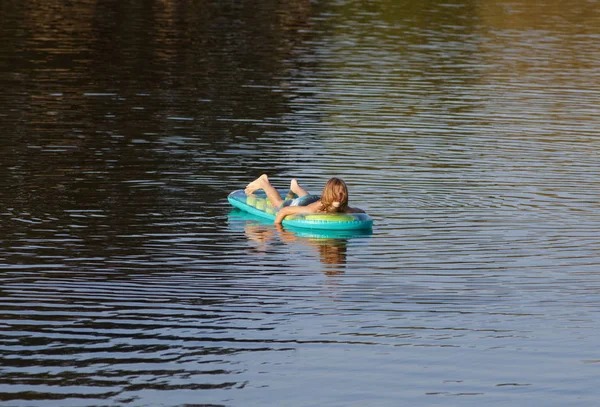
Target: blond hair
x,y
335,196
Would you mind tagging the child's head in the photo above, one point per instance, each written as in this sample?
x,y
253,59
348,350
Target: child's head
x,y
335,196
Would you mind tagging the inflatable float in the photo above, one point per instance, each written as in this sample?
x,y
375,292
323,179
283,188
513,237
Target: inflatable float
x,y
238,219
258,204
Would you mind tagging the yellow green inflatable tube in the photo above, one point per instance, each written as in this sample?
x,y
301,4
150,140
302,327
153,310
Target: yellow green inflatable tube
x,y
257,204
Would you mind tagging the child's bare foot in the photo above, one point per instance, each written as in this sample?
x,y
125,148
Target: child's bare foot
x,y
296,188
257,184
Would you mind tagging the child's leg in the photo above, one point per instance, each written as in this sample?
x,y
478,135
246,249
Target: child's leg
x,y
263,183
297,189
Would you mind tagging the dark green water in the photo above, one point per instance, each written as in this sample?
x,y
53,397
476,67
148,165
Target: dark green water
x,y
469,130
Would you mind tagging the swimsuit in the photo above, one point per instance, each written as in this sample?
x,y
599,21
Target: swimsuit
x,y
302,201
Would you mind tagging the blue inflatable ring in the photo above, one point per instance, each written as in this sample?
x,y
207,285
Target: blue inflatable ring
x,y
258,204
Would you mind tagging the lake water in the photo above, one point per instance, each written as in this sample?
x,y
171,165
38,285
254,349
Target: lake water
x,y
469,130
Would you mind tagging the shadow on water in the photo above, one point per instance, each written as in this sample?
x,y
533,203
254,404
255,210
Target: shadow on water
x,y
110,103
330,245
119,117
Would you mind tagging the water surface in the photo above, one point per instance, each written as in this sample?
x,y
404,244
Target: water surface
x,y
468,130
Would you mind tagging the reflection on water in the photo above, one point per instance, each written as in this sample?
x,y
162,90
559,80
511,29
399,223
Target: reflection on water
x,y
330,245
468,131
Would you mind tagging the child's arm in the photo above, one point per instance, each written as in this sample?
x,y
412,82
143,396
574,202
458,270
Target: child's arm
x,y
291,210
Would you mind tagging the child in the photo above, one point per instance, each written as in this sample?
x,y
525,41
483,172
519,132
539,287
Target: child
x,y
334,198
